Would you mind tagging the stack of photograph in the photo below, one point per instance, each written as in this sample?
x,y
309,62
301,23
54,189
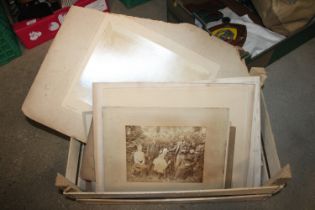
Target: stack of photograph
x,y
180,137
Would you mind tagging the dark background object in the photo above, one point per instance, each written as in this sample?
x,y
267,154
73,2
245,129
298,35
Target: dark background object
x,y
9,45
36,9
178,13
282,48
133,3
11,10
18,10
232,33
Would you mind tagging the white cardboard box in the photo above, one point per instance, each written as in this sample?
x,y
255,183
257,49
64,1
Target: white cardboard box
x,y
274,179
79,41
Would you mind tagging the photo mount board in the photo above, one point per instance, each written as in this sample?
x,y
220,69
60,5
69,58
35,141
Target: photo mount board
x,y
129,52
54,88
240,95
164,129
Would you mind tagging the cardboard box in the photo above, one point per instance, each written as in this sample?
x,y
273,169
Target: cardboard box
x,y
39,30
274,179
45,101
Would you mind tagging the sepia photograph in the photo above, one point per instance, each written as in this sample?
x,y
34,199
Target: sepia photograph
x,y
165,153
163,148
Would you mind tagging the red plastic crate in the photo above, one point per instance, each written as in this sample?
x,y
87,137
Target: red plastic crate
x,y
37,31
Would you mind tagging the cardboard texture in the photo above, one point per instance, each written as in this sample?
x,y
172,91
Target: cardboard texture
x,y
285,16
51,99
88,162
278,177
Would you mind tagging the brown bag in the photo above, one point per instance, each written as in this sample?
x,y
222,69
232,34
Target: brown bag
x,y
285,16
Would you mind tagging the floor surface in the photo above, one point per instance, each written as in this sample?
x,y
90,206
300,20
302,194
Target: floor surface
x,y
30,157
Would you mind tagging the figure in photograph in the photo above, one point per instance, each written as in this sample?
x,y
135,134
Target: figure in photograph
x,y
184,168
139,167
160,164
180,152
153,150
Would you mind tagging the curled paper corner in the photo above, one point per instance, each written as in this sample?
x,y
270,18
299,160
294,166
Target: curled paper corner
x,y
260,72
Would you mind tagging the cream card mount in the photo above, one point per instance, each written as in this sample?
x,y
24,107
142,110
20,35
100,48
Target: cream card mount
x,y
168,149
115,48
239,95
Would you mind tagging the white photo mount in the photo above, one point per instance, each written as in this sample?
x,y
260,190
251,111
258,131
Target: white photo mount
x,y
240,95
55,97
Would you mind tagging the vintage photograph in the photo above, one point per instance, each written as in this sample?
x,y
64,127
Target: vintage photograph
x,y
162,148
165,153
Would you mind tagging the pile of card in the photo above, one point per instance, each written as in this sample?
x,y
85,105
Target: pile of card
x,y
159,107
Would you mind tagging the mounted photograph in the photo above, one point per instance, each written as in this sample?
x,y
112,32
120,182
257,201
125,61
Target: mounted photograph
x,y
162,148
